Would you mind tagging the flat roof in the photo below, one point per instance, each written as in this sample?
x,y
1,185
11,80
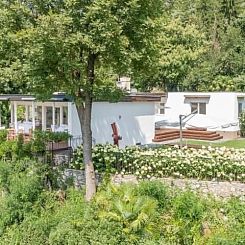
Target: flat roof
x,y
61,97
141,97
27,97
191,96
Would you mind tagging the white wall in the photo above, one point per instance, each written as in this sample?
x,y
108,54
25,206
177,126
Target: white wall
x,y
135,122
74,127
221,110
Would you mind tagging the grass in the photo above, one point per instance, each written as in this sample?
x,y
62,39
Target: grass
x,y
238,143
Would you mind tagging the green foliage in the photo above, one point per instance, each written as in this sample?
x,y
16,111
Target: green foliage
x,y
41,138
235,209
188,207
5,112
219,163
202,47
148,213
22,182
156,190
122,205
53,52
8,150
3,135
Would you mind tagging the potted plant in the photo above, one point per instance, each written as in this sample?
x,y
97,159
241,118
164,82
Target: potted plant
x,y
58,140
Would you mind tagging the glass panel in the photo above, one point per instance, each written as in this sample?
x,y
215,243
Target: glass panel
x,y
20,113
162,111
65,115
57,116
202,108
49,114
194,107
29,113
239,108
39,116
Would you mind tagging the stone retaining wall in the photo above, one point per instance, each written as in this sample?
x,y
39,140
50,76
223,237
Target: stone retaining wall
x,y
218,189
78,177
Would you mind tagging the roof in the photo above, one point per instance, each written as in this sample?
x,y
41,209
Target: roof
x,y
191,96
143,97
57,97
61,97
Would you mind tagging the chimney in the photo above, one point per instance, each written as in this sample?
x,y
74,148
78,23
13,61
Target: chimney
x,y
124,83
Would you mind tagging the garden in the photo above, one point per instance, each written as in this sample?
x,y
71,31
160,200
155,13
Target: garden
x,y
36,207
207,163
148,213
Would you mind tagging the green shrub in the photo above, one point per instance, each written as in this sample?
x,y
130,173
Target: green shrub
x,y
235,209
184,226
122,204
156,190
38,142
23,182
8,150
188,206
58,136
41,139
3,135
88,232
227,236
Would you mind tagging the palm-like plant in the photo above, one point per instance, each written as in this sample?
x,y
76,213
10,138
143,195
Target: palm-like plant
x,y
121,204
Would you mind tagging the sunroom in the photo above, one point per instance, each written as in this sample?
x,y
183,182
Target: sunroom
x,y
29,114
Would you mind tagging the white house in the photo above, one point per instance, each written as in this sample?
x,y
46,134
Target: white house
x,y
134,116
215,111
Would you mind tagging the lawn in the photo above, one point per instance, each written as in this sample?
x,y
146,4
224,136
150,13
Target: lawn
x,y
238,143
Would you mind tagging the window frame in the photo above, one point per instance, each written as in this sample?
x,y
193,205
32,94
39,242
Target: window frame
x,y
161,108
198,104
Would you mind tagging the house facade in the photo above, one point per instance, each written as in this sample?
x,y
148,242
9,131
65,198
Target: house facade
x,y
215,111
134,116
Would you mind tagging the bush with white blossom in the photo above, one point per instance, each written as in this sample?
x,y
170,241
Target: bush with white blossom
x,y
147,163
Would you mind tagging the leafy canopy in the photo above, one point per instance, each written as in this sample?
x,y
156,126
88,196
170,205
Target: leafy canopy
x,y
50,47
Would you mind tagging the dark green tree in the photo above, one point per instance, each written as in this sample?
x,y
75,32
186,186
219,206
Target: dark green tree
x,y
64,45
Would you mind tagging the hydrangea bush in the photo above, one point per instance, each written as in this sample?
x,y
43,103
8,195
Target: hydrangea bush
x,y
147,163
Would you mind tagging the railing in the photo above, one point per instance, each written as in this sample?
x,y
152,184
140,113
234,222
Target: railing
x,y
75,142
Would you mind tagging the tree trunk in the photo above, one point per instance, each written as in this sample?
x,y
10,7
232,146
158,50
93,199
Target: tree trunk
x,y
84,112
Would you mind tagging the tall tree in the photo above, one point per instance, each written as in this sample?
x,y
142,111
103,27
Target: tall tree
x,y
63,45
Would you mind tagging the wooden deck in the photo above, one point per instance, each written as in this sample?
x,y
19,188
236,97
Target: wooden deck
x,y
162,135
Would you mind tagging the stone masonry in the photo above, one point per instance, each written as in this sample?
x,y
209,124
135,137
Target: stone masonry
x,y
218,189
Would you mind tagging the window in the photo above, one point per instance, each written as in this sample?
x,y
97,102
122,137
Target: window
x,y
202,108
162,110
240,108
194,107
198,107
65,115
49,116
57,116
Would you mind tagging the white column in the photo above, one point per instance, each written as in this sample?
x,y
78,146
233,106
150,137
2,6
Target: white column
x,y
43,118
12,114
53,115
61,115
69,108
33,116
15,116
26,113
